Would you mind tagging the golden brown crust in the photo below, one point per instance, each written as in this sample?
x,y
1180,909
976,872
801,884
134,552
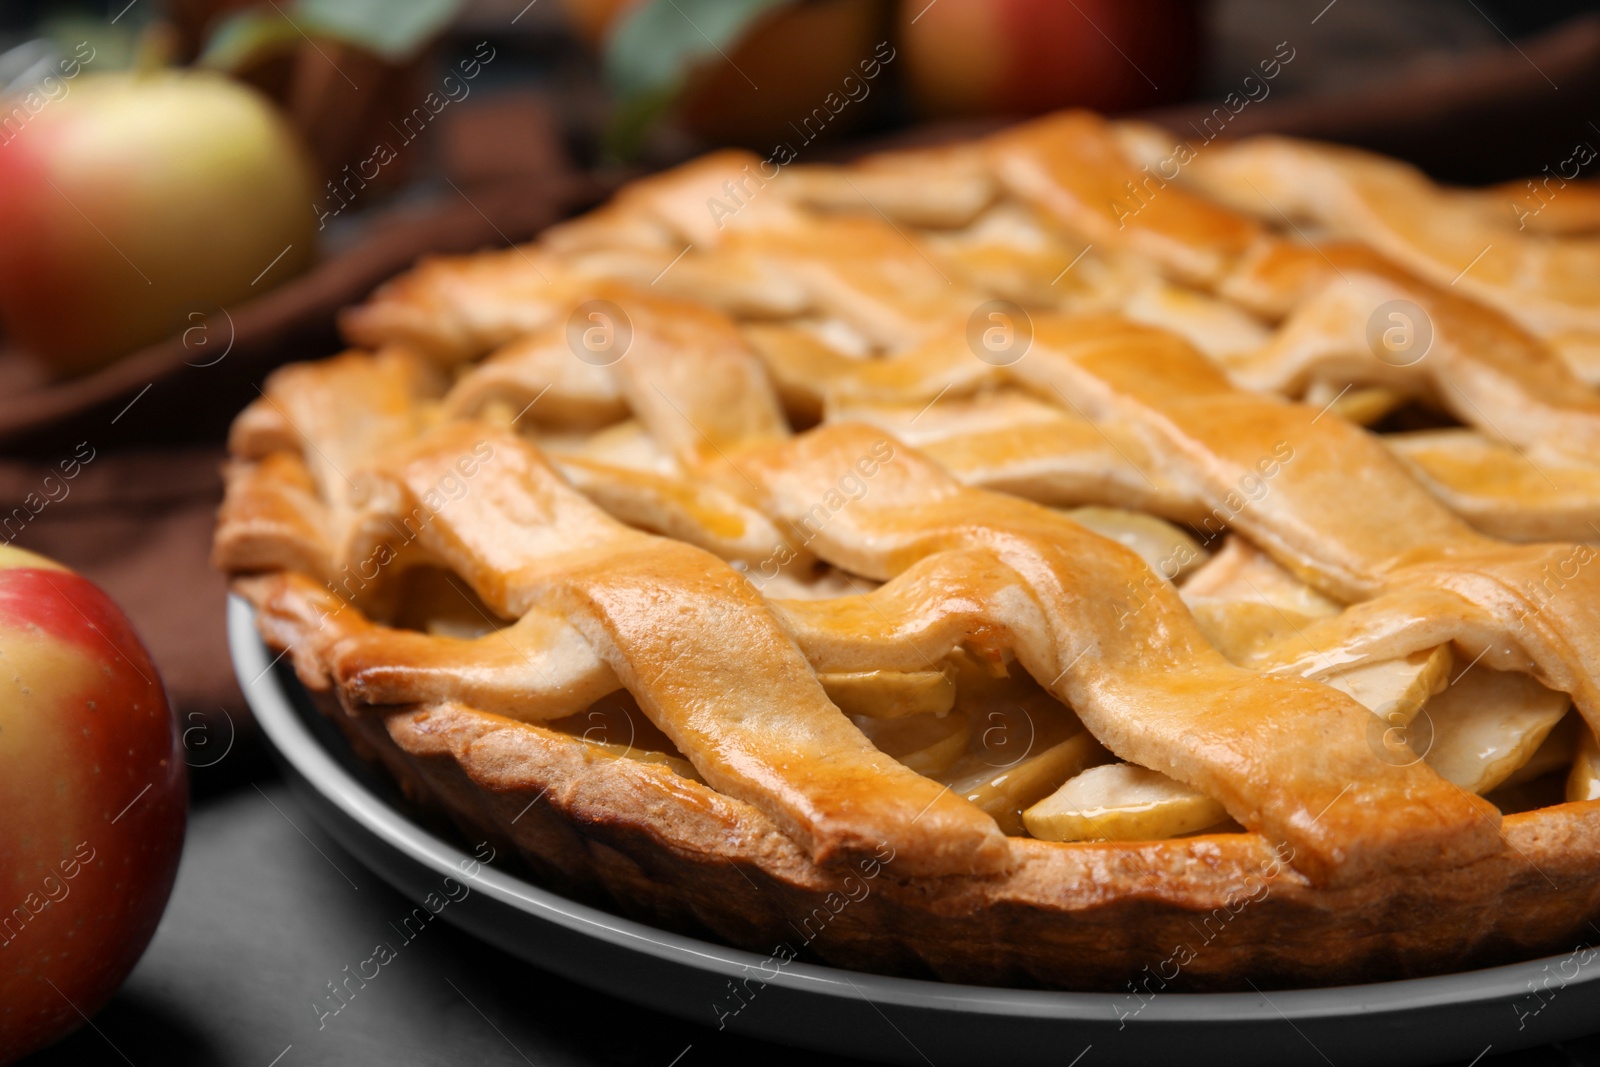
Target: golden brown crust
x,y
474,572
1211,912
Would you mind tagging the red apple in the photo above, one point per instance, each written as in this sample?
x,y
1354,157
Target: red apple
x,y
130,201
1018,57
93,792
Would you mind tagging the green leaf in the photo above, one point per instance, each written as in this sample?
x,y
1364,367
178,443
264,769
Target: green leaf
x,y
243,37
649,57
393,29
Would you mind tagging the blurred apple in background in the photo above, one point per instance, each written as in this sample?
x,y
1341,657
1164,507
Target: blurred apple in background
x,y
784,68
1022,57
592,19
752,72
132,200
93,791
748,72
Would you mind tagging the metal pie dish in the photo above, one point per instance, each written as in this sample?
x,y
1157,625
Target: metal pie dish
x,y
884,1018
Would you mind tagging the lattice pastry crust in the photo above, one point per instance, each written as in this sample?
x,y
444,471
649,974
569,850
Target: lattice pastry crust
x,y
973,562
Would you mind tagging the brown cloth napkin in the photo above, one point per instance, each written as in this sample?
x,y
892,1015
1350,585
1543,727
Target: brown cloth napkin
x,y
1477,117
138,524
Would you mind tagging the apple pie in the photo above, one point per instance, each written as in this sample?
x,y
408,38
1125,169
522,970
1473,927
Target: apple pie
x,y
1072,558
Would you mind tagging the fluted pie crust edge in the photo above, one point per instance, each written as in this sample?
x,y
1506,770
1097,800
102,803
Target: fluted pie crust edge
x,y
1213,912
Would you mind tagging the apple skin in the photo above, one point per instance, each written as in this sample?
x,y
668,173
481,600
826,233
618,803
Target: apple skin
x,y
796,55
94,792
591,19
1025,57
134,200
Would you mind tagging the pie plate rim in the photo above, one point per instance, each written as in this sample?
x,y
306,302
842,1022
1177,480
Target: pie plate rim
x,y
1415,1020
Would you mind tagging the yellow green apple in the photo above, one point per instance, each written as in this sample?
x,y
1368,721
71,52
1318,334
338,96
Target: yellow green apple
x,y
132,200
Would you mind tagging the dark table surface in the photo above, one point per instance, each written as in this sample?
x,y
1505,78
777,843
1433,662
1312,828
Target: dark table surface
x,y
268,910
